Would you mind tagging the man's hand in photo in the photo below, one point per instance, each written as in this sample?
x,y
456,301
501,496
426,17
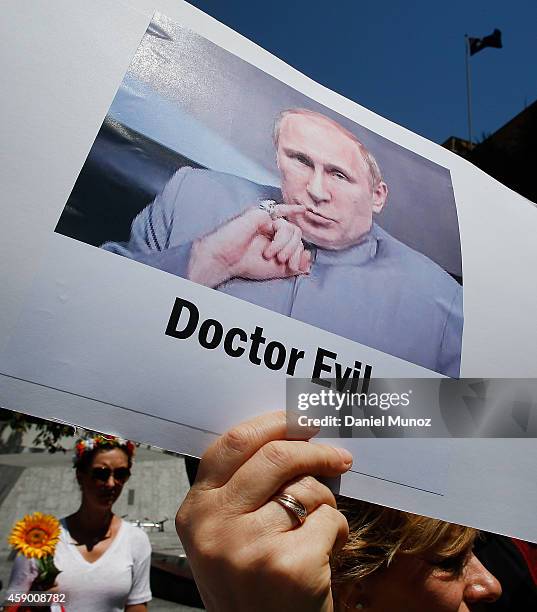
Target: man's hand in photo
x,y
253,246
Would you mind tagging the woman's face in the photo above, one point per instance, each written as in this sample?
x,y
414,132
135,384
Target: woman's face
x,y
411,584
103,481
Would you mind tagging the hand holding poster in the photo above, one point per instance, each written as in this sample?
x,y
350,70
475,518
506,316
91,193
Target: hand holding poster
x,y
198,151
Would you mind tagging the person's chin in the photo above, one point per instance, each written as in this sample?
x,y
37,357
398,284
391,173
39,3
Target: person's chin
x,y
321,238
106,501
321,235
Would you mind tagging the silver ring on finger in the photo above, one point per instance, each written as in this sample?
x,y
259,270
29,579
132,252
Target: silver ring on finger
x,y
297,509
269,206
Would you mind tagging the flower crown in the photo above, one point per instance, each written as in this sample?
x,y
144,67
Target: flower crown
x,y
92,442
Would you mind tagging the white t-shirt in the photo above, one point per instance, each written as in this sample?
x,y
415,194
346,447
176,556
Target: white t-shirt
x,y
118,578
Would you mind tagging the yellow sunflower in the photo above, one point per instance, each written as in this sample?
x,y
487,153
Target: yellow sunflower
x,y
36,535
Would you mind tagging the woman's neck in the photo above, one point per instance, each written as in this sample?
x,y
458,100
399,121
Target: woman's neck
x,y
92,522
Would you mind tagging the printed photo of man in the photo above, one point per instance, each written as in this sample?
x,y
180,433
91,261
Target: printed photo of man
x,y
310,250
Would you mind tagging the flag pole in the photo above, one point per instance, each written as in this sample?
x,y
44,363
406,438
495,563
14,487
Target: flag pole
x,y
468,87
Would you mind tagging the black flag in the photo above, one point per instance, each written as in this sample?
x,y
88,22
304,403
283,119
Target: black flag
x,y
492,40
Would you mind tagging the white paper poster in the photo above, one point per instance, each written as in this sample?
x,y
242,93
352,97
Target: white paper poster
x,y
189,222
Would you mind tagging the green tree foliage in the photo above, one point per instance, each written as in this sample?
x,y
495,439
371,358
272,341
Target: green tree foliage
x,y
48,434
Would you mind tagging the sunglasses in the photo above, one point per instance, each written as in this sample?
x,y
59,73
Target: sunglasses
x,y
103,474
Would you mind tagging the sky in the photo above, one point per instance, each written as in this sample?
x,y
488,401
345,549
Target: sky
x,y
403,60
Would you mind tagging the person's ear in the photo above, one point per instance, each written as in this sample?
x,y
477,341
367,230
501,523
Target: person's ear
x,y
380,193
351,596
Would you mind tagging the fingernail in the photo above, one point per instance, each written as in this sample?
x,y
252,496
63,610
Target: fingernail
x,y
345,455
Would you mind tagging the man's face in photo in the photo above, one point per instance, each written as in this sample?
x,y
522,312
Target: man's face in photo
x,y
322,169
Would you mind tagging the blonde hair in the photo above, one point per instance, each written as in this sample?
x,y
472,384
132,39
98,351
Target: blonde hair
x,y
375,175
378,534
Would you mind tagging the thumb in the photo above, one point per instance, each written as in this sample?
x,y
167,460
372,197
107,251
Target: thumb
x,y
255,221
